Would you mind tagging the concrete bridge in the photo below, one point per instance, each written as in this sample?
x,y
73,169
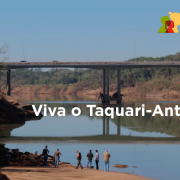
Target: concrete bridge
x,y
105,66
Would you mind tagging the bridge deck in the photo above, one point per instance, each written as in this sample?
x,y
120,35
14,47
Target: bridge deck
x,y
91,65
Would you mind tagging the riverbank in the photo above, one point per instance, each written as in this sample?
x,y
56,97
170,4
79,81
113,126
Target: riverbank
x,y
63,172
17,165
71,89
12,111
3,177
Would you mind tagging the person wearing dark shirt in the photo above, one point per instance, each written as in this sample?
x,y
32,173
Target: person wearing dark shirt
x,y
79,157
89,156
45,154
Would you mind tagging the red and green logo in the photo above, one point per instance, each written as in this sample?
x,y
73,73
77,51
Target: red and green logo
x,y
170,24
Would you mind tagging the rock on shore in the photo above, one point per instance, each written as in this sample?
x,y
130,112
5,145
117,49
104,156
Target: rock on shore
x,y
12,111
3,177
13,157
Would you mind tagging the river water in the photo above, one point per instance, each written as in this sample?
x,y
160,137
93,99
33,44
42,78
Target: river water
x,y
144,142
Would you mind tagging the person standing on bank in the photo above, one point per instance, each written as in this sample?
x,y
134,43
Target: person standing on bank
x,y
45,154
57,155
97,159
89,156
79,157
106,157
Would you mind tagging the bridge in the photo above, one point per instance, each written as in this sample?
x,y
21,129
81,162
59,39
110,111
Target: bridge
x,y
104,66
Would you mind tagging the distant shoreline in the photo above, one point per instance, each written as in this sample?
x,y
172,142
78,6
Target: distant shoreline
x,y
94,140
92,93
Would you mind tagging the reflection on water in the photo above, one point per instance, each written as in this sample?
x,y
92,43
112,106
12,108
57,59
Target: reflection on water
x,y
5,129
158,161
54,97
86,125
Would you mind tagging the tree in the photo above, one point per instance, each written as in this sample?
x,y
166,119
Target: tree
x,y
3,51
3,58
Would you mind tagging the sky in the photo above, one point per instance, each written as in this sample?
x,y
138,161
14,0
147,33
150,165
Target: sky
x,y
86,30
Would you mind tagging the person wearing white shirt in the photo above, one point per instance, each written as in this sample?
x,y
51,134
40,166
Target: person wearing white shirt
x,y
97,159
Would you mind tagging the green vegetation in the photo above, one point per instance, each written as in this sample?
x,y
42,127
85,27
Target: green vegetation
x,y
93,77
145,80
175,57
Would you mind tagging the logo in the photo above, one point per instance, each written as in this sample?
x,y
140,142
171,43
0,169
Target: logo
x,y
170,24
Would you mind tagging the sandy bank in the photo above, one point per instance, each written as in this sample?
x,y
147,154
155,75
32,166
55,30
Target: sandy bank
x,y
66,173
71,89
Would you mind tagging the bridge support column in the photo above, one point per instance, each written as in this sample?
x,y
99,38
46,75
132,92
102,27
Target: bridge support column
x,y
8,82
104,121
118,126
107,126
106,98
118,85
104,124
104,85
107,79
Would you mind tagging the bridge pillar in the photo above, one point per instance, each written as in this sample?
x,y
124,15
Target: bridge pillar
x,y
8,82
104,124
118,85
104,85
106,98
118,126
107,80
107,126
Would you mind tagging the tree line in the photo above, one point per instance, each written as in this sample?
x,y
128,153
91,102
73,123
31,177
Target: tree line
x,y
161,78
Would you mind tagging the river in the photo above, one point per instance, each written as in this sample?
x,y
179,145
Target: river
x,y
143,143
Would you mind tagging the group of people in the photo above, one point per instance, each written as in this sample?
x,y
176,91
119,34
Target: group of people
x,y
106,157
57,154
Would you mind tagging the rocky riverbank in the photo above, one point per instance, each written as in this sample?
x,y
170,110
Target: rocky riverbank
x,y
12,111
3,177
18,165
13,157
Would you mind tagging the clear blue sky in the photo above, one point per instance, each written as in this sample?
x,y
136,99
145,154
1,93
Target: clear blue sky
x,y
86,30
